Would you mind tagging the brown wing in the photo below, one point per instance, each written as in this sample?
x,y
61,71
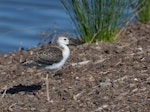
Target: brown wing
x,y
48,56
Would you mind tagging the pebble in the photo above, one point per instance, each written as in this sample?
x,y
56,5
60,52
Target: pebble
x,y
21,59
33,109
77,78
136,79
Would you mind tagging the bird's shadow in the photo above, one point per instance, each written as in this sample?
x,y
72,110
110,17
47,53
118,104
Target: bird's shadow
x,y
22,88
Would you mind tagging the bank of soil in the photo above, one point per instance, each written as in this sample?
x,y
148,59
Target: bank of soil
x,y
98,77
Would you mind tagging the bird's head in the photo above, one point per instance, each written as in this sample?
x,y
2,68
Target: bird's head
x,y
63,40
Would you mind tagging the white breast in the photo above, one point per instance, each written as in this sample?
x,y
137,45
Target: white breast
x,y
65,53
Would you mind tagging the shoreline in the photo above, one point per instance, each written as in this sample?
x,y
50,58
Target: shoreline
x,y
97,77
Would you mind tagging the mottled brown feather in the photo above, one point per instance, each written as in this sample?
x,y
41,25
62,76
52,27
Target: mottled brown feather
x,y
48,56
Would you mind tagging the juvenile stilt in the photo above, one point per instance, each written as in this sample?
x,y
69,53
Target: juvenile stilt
x,y
52,58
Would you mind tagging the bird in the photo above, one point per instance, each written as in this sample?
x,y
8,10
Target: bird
x,y
52,58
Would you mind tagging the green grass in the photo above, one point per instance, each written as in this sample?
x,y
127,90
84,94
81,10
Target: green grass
x,y
144,14
97,19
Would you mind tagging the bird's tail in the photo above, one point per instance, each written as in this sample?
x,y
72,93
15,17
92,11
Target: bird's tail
x,y
30,63
27,63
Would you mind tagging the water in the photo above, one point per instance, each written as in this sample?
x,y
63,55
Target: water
x,y
21,21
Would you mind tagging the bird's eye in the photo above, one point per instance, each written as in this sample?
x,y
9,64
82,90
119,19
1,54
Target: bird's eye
x,y
65,39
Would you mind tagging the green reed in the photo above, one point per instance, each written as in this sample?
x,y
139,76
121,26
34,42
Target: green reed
x,y
97,19
144,14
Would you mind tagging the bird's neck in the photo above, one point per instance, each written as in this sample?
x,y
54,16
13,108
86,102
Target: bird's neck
x,y
65,49
63,46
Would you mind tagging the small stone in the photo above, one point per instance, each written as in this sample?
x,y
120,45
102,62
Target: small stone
x,y
5,55
33,109
136,79
3,73
105,106
91,79
21,59
77,78
31,52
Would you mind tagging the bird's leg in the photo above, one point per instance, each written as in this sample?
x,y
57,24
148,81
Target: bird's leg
x,y
47,87
47,83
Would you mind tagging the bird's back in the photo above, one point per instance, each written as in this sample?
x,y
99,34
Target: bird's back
x,y
45,57
49,56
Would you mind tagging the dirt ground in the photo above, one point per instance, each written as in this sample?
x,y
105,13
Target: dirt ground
x,y
98,77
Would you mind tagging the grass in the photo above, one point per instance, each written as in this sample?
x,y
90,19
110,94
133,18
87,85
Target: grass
x,y
98,19
144,14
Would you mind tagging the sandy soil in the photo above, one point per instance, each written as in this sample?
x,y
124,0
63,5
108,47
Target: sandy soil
x,y
99,77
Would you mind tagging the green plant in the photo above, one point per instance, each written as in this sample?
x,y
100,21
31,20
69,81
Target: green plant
x,y
97,19
144,14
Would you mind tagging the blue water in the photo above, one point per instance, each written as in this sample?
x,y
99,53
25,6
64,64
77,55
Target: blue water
x,y
21,21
